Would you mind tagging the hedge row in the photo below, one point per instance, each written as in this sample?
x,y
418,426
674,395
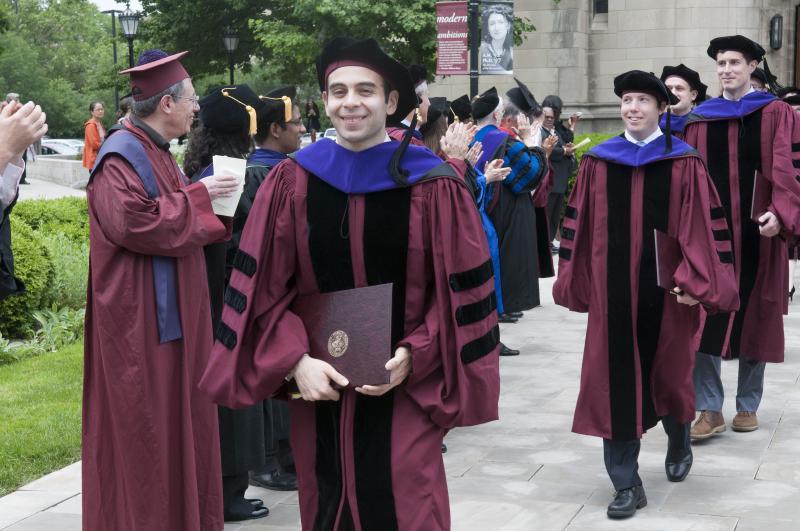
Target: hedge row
x,y
50,241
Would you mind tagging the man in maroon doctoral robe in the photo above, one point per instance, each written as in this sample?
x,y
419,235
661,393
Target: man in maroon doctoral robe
x,y
746,138
151,457
341,215
637,364
685,84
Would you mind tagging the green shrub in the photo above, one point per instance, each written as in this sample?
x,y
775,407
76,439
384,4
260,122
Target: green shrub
x,y
67,215
34,265
71,260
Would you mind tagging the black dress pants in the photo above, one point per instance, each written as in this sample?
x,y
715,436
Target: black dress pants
x,y
622,457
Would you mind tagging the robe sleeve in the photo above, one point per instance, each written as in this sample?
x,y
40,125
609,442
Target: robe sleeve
x,y
174,224
706,271
785,171
528,167
542,191
455,350
259,340
573,287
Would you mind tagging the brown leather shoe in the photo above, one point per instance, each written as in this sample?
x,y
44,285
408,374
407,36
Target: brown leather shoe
x,y
745,421
709,424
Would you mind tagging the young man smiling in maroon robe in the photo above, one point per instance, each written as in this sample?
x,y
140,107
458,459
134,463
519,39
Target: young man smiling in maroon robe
x,y
745,136
637,364
685,84
340,215
151,457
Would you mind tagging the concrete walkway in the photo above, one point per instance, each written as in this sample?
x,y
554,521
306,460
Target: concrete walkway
x,y
38,189
529,472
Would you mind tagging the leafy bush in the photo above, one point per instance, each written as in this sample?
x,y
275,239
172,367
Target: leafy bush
x,y
34,265
67,215
57,329
71,270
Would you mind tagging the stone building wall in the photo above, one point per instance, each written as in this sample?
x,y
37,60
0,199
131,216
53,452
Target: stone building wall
x,y
576,54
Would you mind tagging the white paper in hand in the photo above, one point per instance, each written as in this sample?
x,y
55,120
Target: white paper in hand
x,y
226,206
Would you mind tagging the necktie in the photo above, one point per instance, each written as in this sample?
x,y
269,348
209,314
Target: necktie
x,y
640,143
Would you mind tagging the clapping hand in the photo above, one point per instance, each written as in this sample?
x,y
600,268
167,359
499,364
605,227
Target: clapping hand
x,y
474,154
549,144
494,171
20,126
455,142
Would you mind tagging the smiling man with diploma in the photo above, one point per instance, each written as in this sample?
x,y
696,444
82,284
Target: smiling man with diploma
x,y
151,457
364,223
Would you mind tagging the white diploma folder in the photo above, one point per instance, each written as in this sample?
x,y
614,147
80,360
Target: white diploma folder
x,y
226,206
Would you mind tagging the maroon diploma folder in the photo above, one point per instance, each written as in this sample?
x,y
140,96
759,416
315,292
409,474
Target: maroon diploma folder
x,y
351,330
668,258
761,198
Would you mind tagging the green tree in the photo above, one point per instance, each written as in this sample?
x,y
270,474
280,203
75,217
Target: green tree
x,y
175,25
58,54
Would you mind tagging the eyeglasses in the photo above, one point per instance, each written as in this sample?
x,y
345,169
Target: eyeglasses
x,y
194,100
297,122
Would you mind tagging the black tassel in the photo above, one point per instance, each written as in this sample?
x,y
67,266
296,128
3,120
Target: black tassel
x,y
668,132
399,175
774,86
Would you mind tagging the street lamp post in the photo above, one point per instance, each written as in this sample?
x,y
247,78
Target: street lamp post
x,y
113,13
130,26
231,40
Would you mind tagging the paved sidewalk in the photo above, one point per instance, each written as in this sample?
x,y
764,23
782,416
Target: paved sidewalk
x,y
38,189
529,472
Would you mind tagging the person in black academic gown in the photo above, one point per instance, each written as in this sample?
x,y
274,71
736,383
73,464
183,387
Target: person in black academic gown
x,y
223,129
280,128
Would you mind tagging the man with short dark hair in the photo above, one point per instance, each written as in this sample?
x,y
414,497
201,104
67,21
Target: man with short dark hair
x,y
745,137
637,362
151,456
685,84
362,211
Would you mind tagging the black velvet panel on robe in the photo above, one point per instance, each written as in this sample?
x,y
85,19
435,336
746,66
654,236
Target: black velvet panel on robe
x,y
623,383
749,146
386,217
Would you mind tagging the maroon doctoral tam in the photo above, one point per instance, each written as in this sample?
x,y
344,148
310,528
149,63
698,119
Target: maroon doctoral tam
x,y
351,330
149,77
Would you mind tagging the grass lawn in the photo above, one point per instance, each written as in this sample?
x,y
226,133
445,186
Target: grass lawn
x,y
40,416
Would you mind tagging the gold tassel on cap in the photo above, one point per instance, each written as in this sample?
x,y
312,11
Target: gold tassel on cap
x,y
287,106
455,116
250,110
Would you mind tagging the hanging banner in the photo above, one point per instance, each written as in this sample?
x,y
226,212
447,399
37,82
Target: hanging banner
x,y
497,38
452,31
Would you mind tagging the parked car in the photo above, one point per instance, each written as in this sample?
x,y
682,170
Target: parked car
x,y
330,133
54,146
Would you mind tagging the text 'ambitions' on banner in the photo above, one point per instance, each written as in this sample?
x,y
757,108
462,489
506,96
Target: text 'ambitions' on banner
x,y
497,38
452,30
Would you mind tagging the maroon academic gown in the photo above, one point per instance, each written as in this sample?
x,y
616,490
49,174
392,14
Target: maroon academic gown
x,y
151,458
374,460
639,352
736,149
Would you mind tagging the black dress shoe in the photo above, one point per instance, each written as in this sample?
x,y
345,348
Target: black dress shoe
x,y
241,510
515,315
275,480
505,351
255,502
678,464
505,318
444,448
626,502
